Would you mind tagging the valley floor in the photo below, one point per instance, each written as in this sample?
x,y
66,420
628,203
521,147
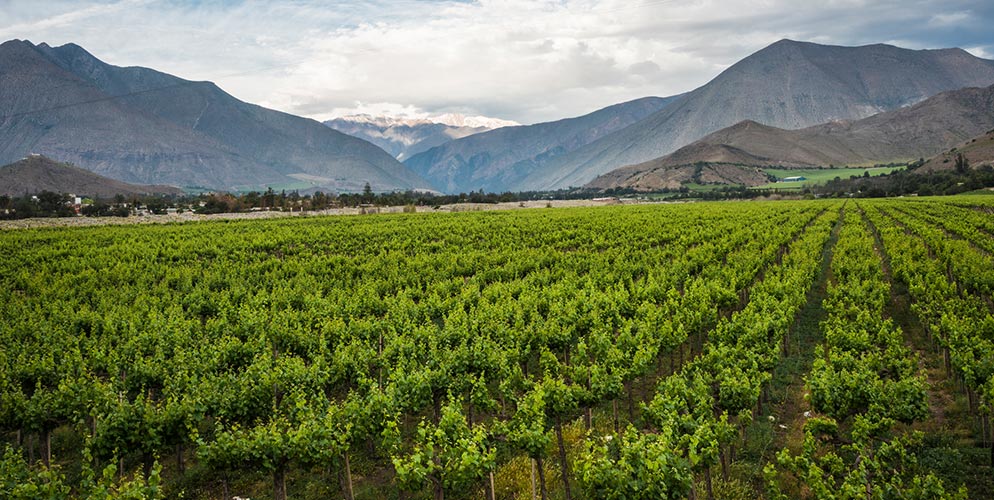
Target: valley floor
x,y
815,349
193,217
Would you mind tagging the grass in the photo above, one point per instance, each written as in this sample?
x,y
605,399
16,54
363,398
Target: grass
x,y
661,196
764,437
709,187
817,176
980,192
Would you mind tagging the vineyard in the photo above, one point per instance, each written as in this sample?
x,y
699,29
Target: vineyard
x,y
799,349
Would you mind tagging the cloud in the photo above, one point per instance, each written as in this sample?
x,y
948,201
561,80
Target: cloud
x,y
981,52
950,19
526,60
390,109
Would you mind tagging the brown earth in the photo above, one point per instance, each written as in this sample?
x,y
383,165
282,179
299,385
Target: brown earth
x,y
35,174
978,152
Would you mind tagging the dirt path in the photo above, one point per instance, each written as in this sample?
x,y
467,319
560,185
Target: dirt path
x,y
787,403
192,217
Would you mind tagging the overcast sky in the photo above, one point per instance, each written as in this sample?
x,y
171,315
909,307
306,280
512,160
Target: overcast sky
x,y
524,60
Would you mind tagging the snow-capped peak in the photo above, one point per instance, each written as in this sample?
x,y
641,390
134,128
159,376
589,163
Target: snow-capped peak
x,y
379,121
459,120
450,119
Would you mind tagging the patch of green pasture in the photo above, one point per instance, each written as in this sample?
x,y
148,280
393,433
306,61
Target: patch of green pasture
x,y
817,176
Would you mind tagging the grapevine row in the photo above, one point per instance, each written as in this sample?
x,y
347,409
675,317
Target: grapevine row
x,y
697,413
863,383
959,321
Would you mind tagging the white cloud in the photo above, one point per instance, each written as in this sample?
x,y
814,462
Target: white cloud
x,y
69,18
526,60
391,109
981,52
950,18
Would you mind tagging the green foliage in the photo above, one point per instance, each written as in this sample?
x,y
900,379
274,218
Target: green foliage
x,y
879,469
634,465
446,346
449,454
19,482
865,378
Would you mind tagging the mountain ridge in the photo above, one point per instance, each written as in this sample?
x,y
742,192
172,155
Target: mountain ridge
x,y
141,125
403,137
450,119
905,134
499,159
787,84
37,173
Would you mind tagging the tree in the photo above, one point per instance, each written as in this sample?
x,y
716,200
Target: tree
x,y
319,201
270,446
54,204
269,199
252,199
367,193
962,164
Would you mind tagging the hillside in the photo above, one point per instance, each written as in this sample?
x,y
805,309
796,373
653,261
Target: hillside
x,y
648,178
501,159
786,85
918,131
35,174
978,152
140,125
403,138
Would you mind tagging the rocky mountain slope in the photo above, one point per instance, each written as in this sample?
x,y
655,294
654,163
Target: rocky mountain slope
x,y
37,173
404,138
918,131
140,125
501,159
978,152
786,85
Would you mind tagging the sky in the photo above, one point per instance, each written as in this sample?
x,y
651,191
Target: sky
x,y
523,60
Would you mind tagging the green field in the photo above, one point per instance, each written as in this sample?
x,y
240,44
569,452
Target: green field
x,y
709,187
817,176
727,350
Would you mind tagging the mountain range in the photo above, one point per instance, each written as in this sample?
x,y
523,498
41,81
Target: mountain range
x,y
791,103
405,137
140,125
919,131
787,85
500,160
37,173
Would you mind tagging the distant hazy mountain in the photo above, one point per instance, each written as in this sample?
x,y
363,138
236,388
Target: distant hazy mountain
x,y
918,131
35,174
404,137
140,125
788,85
501,159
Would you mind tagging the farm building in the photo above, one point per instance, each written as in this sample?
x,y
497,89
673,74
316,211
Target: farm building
x,y
794,179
